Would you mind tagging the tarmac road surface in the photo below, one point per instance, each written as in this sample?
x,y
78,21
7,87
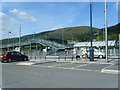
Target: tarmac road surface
x,y
57,75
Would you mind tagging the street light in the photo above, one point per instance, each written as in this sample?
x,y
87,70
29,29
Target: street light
x,y
72,36
119,47
62,37
106,39
13,42
46,37
35,41
8,40
91,49
20,37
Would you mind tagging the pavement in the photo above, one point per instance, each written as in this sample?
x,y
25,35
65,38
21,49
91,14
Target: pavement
x,y
112,68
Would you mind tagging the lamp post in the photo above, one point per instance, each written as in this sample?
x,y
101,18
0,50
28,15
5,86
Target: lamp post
x,y
62,37
119,47
72,36
35,38
106,39
91,39
20,38
30,48
46,37
8,40
13,42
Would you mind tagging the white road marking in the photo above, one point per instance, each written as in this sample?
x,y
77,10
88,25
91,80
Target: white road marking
x,y
78,69
59,64
73,68
106,70
108,66
110,71
87,70
53,65
80,66
64,68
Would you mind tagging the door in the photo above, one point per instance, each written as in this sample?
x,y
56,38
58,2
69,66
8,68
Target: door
x,y
12,55
19,56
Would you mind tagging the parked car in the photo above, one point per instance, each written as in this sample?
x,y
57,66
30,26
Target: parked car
x,y
12,56
97,53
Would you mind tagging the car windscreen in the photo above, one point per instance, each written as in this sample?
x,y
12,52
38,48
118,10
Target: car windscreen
x,y
2,54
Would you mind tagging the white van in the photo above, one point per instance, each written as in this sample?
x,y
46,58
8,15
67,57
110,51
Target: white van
x,y
97,53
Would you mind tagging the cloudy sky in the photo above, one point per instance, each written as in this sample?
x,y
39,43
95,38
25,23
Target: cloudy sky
x,y
37,17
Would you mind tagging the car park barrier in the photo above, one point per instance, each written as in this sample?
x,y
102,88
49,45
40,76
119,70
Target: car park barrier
x,y
44,57
66,57
52,57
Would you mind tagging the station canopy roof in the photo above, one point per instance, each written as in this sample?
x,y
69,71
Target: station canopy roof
x,y
97,43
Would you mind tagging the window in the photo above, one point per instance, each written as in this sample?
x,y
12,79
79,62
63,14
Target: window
x,y
9,53
15,53
12,53
18,53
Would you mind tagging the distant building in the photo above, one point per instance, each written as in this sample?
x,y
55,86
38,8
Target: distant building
x,y
112,43
113,46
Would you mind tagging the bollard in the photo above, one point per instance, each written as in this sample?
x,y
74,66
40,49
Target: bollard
x,y
65,58
30,57
77,57
59,58
45,57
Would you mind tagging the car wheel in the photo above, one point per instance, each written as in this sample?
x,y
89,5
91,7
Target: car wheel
x,y
25,59
2,61
100,56
9,60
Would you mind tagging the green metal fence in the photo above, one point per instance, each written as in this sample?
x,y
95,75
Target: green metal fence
x,y
39,41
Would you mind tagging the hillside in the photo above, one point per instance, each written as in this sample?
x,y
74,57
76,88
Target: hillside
x,y
113,33
79,33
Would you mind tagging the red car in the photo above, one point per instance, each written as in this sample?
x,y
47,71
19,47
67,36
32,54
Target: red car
x,y
12,56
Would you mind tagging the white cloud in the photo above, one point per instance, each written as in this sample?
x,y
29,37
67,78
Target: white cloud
x,y
117,5
7,24
56,28
23,15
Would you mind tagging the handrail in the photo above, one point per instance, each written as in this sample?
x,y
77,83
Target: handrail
x,y
40,41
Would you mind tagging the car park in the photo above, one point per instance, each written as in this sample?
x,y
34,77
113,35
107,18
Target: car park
x,y
13,56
